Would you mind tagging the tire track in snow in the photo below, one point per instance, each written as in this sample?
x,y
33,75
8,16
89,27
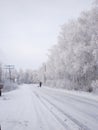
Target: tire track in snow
x,y
37,111
79,124
79,109
53,114
75,103
77,98
83,100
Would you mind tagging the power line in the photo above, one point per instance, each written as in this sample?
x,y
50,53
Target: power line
x,y
9,68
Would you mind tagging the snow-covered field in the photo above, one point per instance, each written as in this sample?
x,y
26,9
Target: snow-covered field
x,y
34,108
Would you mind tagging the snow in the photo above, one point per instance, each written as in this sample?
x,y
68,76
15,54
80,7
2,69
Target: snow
x,y
92,96
33,108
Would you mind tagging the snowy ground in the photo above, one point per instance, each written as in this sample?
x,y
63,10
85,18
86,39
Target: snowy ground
x,y
33,108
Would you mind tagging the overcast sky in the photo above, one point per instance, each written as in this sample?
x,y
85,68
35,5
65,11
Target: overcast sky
x,y
28,28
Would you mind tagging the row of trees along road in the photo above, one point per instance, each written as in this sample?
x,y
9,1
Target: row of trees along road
x,y
73,61
10,77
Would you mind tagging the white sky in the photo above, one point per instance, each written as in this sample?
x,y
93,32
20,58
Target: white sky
x,y
28,28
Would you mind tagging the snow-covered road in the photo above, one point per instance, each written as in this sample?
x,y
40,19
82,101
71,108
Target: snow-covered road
x,y
33,108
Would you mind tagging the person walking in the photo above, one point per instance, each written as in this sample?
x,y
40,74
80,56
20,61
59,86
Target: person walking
x,y
40,83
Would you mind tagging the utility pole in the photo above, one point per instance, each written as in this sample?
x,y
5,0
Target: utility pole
x,y
1,84
44,73
9,68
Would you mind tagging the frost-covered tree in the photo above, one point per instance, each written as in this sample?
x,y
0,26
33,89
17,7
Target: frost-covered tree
x,y
28,76
42,73
73,61
20,76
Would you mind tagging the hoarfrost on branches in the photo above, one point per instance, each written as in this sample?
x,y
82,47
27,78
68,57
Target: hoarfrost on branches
x,y
73,61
